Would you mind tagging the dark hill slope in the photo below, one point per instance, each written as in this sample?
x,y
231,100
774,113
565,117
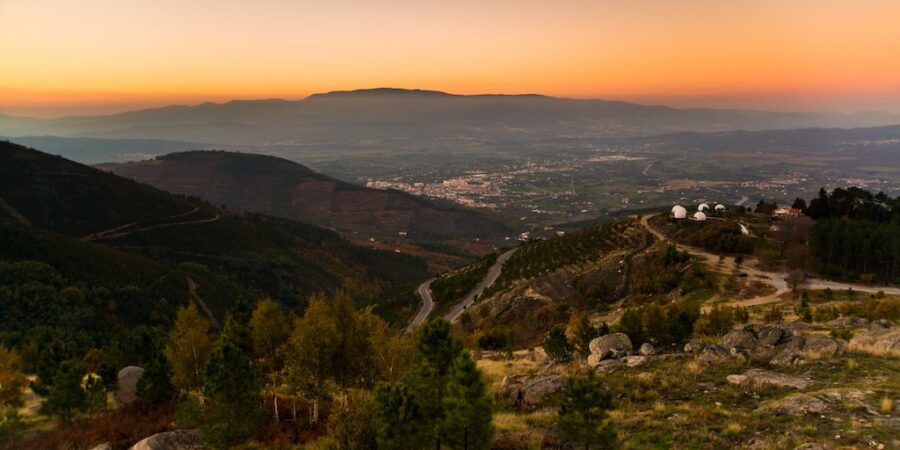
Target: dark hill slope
x,y
286,189
261,254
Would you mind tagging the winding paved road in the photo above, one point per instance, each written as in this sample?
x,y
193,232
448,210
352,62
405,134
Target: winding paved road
x,y
486,282
427,305
424,292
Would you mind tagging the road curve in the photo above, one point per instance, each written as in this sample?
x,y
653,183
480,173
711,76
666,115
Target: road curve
x,y
486,282
427,305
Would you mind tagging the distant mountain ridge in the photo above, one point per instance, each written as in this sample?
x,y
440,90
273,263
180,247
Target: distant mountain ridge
x,y
278,187
343,117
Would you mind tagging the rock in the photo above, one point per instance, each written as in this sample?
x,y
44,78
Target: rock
x,y
771,335
768,377
608,365
740,339
634,361
694,346
714,354
794,405
786,357
647,349
535,392
612,345
126,390
851,321
880,337
172,440
821,345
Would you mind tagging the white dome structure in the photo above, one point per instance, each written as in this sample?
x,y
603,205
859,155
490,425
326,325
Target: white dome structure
x,y
699,216
679,212
720,207
703,207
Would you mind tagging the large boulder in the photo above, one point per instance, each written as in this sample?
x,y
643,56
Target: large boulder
x,y
172,440
126,390
613,345
738,339
538,390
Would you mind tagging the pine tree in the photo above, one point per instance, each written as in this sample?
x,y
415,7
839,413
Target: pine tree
x,y
556,346
404,424
155,385
234,411
66,397
436,351
467,408
580,332
583,413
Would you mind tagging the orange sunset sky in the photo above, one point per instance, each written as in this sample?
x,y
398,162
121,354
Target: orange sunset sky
x,y
85,57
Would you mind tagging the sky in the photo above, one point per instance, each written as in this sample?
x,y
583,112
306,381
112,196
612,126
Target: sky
x,y
64,57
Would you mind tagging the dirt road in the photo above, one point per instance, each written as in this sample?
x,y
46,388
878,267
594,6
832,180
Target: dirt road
x,y
750,266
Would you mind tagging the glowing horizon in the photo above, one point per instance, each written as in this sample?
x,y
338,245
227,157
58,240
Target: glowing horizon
x,y
101,56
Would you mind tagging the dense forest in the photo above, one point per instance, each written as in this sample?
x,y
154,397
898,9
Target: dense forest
x,y
856,235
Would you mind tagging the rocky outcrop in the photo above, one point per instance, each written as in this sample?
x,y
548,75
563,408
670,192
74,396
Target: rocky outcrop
x,y
738,339
795,405
771,335
822,345
880,337
755,376
815,402
609,365
531,392
126,390
172,440
610,346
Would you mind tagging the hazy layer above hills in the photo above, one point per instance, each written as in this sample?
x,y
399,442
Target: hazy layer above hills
x,y
283,188
350,116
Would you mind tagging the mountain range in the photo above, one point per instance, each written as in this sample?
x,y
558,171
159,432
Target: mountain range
x,y
345,117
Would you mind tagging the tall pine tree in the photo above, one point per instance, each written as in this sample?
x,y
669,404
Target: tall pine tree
x,y
467,408
234,409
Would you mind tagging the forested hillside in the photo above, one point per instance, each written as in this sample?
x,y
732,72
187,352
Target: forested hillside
x,y
856,234
262,255
283,188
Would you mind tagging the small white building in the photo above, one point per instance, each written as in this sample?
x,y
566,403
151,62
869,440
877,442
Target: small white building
x,y
679,212
699,216
702,207
720,207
